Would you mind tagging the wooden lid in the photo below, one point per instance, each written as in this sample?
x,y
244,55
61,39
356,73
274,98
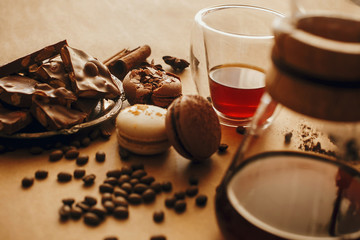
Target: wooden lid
x,y
316,67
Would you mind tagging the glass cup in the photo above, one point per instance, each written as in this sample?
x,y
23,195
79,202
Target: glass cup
x,y
230,51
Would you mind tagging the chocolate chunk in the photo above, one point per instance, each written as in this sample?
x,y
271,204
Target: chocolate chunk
x,y
176,63
64,177
158,216
41,174
121,212
12,121
100,156
55,155
27,182
79,173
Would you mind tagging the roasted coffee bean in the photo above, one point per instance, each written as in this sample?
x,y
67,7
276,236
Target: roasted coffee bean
x,y
124,154
35,150
180,195
192,191
134,198
170,202
27,182
121,192
41,174
147,180
121,212
127,187
91,219
64,177
138,174
140,188
149,195
158,237
64,149
241,130
109,206
201,200
82,160
64,212
166,186
68,201
120,201
158,216
111,238
100,156
126,170
156,186
84,207
79,173
94,134
90,201
193,180
134,181
111,180
105,187
180,206
75,143
223,147
89,179
56,155
106,197
85,142
116,173
72,154
137,166
124,178
99,211
76,213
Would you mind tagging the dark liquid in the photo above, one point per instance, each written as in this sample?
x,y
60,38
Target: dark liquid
x,y
236,89
287,195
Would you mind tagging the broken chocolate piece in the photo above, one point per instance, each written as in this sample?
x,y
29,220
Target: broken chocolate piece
x,y
23,63
13,121
89,77
176,63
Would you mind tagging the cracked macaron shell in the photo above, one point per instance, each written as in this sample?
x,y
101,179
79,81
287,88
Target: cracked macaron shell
x,y
193,127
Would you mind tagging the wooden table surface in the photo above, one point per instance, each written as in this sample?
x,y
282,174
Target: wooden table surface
x,y
102,28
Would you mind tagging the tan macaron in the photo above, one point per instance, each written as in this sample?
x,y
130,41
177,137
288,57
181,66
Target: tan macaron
x,y
193,127
141,129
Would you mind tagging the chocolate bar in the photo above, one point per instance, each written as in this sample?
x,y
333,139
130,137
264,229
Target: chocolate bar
x,y
89,77
13,121
22,64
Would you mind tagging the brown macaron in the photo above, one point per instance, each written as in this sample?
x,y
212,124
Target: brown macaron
x,y
193,127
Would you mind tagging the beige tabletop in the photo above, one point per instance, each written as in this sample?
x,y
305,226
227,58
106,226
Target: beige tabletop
x,y
102,28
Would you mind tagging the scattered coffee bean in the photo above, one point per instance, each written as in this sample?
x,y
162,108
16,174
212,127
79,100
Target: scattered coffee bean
x,y
192,191
170,202
124,178
180,195
99,211
75,143
140,188
134,181
82,160
64,212
94,134
111,238
79,173
64,177
100,156
106,197
109,206
134,198
138,173
180,206
124,154
158,237
90,201
84,207
201,200
137,166
147,180
67,148
120,201
127,187
116,173
223,147
56,155
121,212
193,180
89,179
27,182
148,195
68,201
111,180
105,187
76,213
121,192
158,216
126,170
156,186
91,219
85,142
288,137
72,154
166,186
241,130
41,174
35,150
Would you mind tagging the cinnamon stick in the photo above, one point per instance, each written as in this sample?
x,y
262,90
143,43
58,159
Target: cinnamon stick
x,y
125,60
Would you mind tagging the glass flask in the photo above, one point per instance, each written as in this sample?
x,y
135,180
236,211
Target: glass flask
x,y
298,177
